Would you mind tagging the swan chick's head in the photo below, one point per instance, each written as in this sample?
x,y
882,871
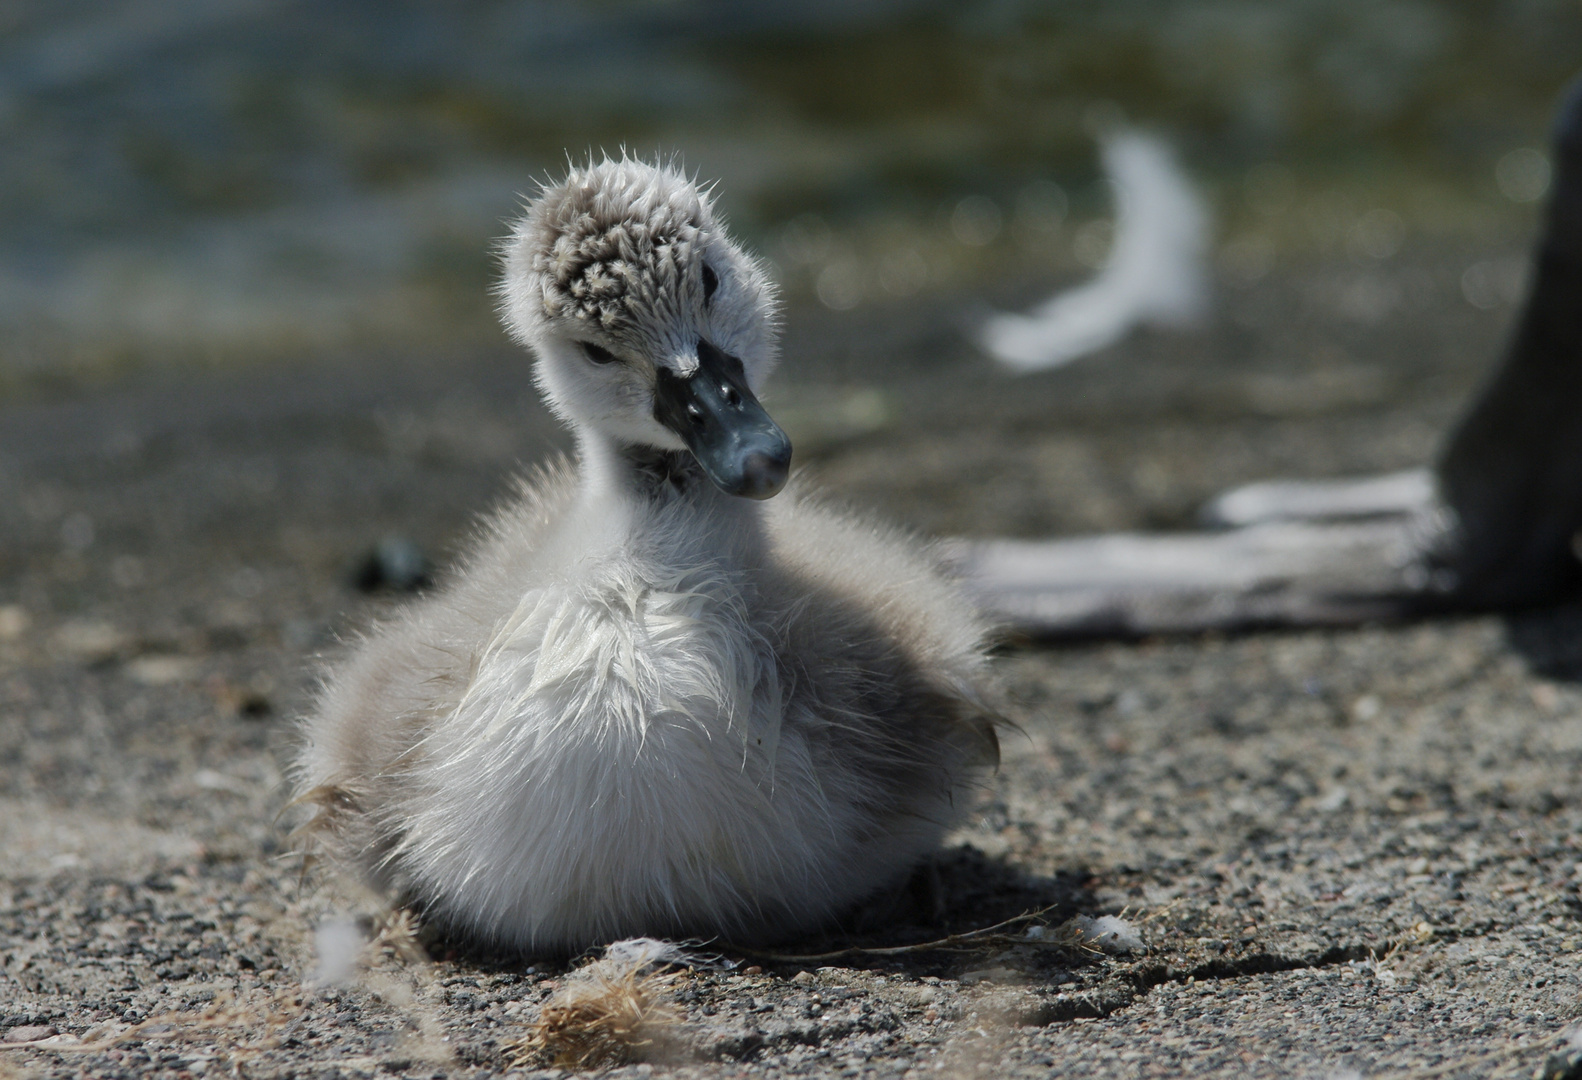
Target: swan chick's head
x,y
650,325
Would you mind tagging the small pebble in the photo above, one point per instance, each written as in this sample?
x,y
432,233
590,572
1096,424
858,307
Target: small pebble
x,y
161,670
90,641
29,1033
14,621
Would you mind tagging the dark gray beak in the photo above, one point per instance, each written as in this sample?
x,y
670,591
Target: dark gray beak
x,y
740,448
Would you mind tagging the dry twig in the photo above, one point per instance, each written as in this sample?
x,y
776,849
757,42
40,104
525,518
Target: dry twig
x,y
995,936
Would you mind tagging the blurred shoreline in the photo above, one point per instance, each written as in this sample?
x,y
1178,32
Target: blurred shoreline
x,y
254,181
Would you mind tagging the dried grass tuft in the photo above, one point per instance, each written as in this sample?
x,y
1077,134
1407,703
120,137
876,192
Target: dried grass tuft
x,y
608,1012
239,1025
396,937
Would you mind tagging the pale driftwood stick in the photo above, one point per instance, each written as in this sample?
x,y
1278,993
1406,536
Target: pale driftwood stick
x,y
1275,573
1492,526
1411,491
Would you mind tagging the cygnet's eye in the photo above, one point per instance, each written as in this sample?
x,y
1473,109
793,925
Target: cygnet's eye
x,y
711,281
598,353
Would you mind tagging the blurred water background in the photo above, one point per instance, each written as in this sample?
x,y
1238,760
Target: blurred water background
x,y
226,182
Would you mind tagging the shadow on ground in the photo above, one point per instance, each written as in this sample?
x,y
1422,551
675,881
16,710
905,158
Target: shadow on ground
x,y
1550,639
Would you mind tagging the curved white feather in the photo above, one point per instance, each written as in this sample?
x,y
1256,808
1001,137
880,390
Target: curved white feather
x,y
1155,273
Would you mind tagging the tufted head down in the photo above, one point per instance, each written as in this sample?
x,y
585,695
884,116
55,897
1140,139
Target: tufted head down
x,y
621,250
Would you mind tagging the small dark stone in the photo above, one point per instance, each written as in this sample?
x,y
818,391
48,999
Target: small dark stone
x,y
395,563
254,706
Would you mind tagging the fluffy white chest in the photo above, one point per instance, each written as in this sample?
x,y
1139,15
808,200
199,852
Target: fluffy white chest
x,y
616,751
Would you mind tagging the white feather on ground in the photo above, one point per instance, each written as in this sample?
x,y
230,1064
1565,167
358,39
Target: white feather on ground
x,y
1155,273
1108,933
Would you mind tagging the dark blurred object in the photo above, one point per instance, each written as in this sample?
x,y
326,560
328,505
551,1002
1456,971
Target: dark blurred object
x,y
1511,475
247,701
396,564
1494,526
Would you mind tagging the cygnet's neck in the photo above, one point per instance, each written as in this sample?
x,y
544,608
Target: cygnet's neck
x,y
648,482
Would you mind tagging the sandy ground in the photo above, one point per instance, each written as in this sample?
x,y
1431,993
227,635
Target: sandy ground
x,y
1345,850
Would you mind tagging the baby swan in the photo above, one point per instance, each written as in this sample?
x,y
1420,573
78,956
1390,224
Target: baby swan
x,y
649,703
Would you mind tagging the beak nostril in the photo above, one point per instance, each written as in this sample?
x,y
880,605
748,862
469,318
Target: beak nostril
x,y
695,415
728,392
763,475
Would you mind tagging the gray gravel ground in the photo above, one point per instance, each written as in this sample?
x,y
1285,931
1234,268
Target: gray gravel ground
x,y
1347,850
